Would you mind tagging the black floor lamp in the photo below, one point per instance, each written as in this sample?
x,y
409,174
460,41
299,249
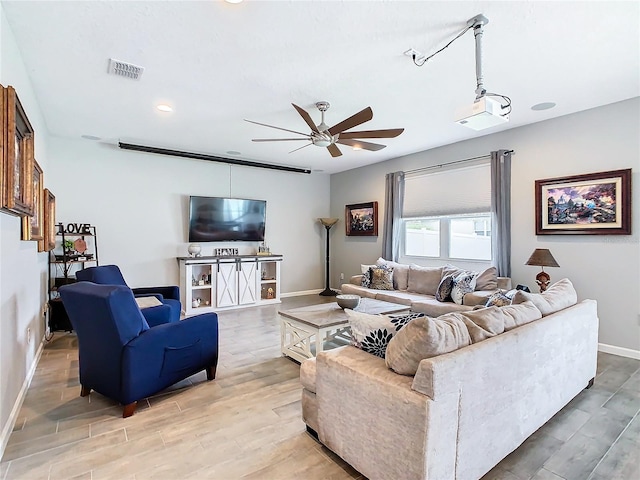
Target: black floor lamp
x,y
328,223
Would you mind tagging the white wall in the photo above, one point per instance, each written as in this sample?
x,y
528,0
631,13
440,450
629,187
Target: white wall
x,y
606,268
23,271
139,205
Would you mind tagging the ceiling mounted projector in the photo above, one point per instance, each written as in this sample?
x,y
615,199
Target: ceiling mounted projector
x,y
483,113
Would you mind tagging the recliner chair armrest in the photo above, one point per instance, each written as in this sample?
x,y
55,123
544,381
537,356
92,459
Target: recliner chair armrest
x,y
158,315
172,291
167,353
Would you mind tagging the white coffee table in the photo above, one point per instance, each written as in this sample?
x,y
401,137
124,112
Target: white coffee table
x,y
303,328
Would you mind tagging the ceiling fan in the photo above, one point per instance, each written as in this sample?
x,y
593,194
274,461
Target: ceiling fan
x,y
324,136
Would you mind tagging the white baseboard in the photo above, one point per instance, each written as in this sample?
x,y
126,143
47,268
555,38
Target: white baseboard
x,y
300,293
8,428
621,351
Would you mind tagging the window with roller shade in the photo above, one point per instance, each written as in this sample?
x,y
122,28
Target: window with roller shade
x,y
447,213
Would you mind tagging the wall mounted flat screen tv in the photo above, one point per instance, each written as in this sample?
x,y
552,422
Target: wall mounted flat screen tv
x,y
215,219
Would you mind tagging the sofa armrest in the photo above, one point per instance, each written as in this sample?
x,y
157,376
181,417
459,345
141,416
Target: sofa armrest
x,y
356,279
504,283
371,417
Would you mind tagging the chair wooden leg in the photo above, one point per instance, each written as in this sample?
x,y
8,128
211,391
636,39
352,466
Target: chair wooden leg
x,y
84,391
129,409
211,372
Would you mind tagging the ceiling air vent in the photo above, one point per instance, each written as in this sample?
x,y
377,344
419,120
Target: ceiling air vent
x,y
123,69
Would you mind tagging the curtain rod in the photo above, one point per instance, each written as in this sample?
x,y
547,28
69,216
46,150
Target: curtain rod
x,y
422,169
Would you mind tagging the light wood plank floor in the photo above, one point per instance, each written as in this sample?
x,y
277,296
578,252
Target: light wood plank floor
x,y
246,424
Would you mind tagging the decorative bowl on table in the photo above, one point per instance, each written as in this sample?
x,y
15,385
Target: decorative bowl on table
x,y
348,301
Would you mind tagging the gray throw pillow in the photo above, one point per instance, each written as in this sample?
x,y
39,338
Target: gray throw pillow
x,y
443,293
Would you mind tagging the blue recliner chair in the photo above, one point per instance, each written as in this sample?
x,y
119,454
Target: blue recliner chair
x,y
169,311
122,358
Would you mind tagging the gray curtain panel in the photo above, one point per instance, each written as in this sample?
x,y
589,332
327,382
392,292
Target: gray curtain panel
x,y
393,200
501,211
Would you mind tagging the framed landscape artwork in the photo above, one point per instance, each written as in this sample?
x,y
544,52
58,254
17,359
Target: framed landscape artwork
x,y
18,156
49,241
33,227
361,219
593,204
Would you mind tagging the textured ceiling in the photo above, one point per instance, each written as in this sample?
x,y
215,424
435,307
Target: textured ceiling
x,y
218,63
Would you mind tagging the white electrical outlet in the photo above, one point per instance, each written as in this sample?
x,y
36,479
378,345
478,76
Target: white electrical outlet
x,y
342,276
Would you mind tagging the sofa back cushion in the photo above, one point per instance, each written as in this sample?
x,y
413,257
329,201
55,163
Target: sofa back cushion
x,y
425,337
488,279
424,279
558,296
491,321
400,273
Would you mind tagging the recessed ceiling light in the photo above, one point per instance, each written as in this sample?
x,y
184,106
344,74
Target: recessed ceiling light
x,y
357,148
233,152
233,1
90,137
543,106
164,107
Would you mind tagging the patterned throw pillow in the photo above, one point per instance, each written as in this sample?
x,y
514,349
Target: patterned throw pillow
x,y
498,299
372,333
381,277
366,279
463,283
443,293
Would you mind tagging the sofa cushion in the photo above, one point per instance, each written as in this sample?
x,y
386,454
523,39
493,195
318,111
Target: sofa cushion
x,y
491,321
433,308
372,333
350,288
424,279
487,279
558,296
400,273
425,337
400,296
381,277
463,283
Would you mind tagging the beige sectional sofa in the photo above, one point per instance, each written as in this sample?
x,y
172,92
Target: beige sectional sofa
x,y
416,286
462,412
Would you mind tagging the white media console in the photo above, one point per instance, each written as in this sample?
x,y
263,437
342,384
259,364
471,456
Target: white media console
x,y
209,284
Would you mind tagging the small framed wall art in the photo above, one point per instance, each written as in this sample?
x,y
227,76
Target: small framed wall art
x,y
589,204
33,227
18,148
49,241
361,219
18,154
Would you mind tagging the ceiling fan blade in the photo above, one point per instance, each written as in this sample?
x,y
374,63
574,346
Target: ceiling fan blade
x,y
306,117
363,145
353,121
389,133
278,139
334,150
301,147
277,128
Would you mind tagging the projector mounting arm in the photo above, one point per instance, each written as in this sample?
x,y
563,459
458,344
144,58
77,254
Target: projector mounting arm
x,y
477,23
